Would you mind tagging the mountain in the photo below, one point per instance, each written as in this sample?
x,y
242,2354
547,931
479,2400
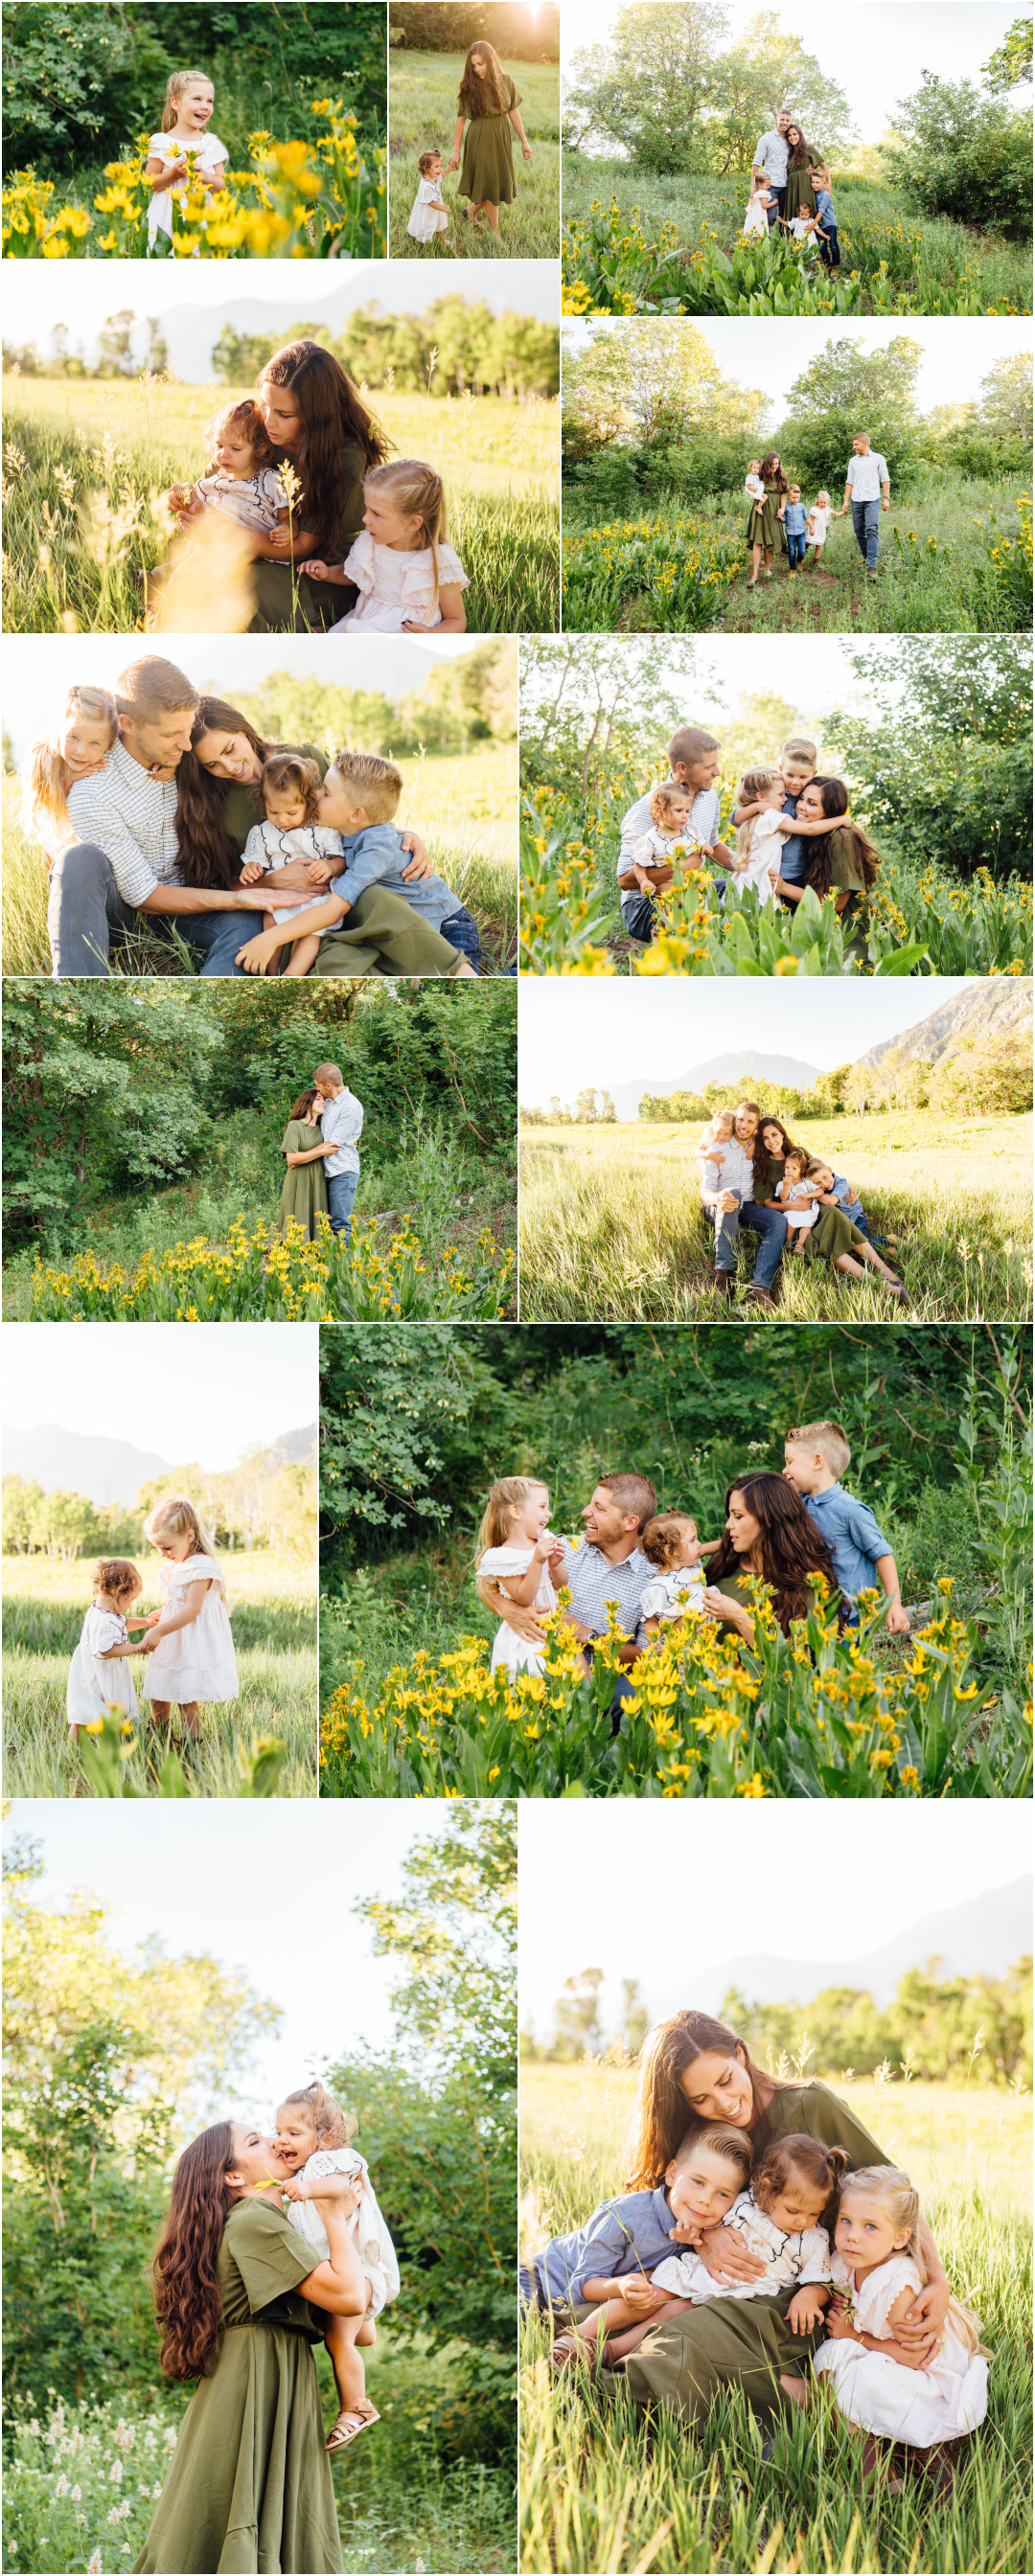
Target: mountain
x,y
293,1449
980,1938
990,1008
107,1471
719,1068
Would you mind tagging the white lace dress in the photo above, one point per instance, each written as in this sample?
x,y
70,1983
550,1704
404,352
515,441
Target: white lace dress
x,y
428,215
272,848
396,587
501,1564
366,2227
763,856
882,2396
787,2259
792,1208
92,1682
254,500
756,221
169,148
196,1662
674,1594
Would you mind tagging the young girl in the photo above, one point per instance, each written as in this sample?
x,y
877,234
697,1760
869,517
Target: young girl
x,y
798,1196
757,851
756,220
877,2268
283,848
191,1645
408,578
428,216
87,731
242,479
676,1591
96,1675
189,103
312,2141
512,1549
489,98
816,527
655,849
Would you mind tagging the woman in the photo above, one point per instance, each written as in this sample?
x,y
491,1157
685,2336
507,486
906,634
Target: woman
x,y
769,1533
835,1237
763,527
489,98
321,428
304,1195
218,801
250,2483
694,2068
758,1214
801,162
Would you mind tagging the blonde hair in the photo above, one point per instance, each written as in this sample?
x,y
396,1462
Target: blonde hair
x,y
174,89
46,777
900,2202
822,496
378,783
333,2126
494,1529
288,769
826,1437
753,783
721,2139
659,1537
665,796
799,747
246,417
116,1575
418,495
719,1117
176,1517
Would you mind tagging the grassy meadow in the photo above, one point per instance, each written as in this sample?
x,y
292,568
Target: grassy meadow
x,y
611,1227
604,2487
422,114
273,1616
86,465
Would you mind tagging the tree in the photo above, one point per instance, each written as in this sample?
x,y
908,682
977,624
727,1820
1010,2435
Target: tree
x,y
647,94
577,2015
946,761
1005,398
1012,61
635,2017
769,70
846,389
652,381
987,1077
954,151
761,726
116,355
582,709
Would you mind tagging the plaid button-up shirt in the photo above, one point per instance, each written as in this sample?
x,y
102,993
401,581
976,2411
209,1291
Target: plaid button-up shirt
x,y
132,818
594,1584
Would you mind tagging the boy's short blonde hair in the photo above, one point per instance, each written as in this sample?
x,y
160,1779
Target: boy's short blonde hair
x,y
826,1437
798,748
376,784
795,491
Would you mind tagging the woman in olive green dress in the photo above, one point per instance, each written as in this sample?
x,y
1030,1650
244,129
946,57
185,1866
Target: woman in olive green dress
x,y
802,160
319,425
250,2485
694,2068
304,1195
835,1237
769,1533
488,97
763,527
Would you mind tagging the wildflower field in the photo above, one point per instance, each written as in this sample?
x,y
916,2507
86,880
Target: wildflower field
x,y
954,556
611,1223
294,200
86,466
602,2488
636,243
281,1278
273,1617
422,112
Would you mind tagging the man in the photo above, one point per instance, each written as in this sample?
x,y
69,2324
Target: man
x,y
728,1196
341,1122
693,762
868,488
610,1569
770,163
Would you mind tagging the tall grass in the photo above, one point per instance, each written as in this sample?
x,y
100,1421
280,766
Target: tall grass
x,y
611,1227
422,113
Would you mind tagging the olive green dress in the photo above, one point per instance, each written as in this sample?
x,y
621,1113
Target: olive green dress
x,y
847,875
286,608
382,935
249,2491
800,191
763,527
684,2361
304,1195
487,174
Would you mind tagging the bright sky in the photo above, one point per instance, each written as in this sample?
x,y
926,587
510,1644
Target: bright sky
x,y
39,669
659,1885
83,294
771,355
876,53
238,1881
627,1032
187,1391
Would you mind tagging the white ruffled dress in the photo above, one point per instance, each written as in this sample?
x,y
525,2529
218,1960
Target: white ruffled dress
x,y
196,1662
92,1682
766,851
395,587
501,1564
756,220
171,148
428,215
921,2407
366,2226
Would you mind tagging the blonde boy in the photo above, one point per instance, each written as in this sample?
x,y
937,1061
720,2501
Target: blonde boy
x,y
816,1455
358,798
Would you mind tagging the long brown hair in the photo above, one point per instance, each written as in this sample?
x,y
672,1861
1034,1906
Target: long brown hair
x,y
798,158
791,1545
186,2283
477,97
206,855
334,417
303,1104
659,2116
772,471
785,1140
835,801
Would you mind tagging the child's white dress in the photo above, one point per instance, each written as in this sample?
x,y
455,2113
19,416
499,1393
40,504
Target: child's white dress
x,y
428,215
756,220
800,231
763,856
209,153
675,1594
881,2395
196,1662
656,848
788,2259
816,526
366,2226
272,847
796,1215
254,503
91,1682
394,587
500,1564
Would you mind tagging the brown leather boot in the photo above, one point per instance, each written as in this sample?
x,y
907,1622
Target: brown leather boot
x,y
722,1283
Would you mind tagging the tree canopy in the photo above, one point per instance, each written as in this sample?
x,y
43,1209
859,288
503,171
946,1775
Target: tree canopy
x,y
667,90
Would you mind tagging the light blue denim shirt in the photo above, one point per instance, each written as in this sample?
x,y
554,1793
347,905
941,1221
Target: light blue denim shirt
x,y
825,206
622,2235
853,1537
794,518
376,857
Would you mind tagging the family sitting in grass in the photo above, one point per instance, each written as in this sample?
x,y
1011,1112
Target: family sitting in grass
x,y
791,192
157,806
745,2187
752,1174
779,516
189,1644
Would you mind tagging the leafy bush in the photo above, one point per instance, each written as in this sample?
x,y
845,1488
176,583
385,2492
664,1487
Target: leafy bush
x,y
964,155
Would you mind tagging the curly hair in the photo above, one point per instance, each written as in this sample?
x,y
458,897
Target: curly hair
x,y
482,97
247,419
791,1545
185,2269
834,794
118,1577
286,770
659,2117
332,2126
334,418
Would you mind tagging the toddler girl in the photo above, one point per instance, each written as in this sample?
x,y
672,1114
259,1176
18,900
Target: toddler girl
x,y
798,1196
756,220
96,1674
718,1134
512,1549
242,479
758,848
87,731
877,2268
189,103
676,1591
428,216
292,837
408,578
191,1643
312,2142
654,850
817,524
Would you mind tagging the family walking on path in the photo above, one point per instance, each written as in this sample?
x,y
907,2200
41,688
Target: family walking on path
x,y
778,511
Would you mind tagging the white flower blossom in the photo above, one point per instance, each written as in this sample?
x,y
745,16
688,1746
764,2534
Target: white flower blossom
x,y
61,2488
170,2438
76,2495
115,2474
94,2566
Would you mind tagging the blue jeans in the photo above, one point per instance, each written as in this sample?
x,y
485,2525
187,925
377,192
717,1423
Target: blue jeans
x,y
341,1192
829,248
763,1221
775,214
866,522
84,907
796,549
639,918
461,930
